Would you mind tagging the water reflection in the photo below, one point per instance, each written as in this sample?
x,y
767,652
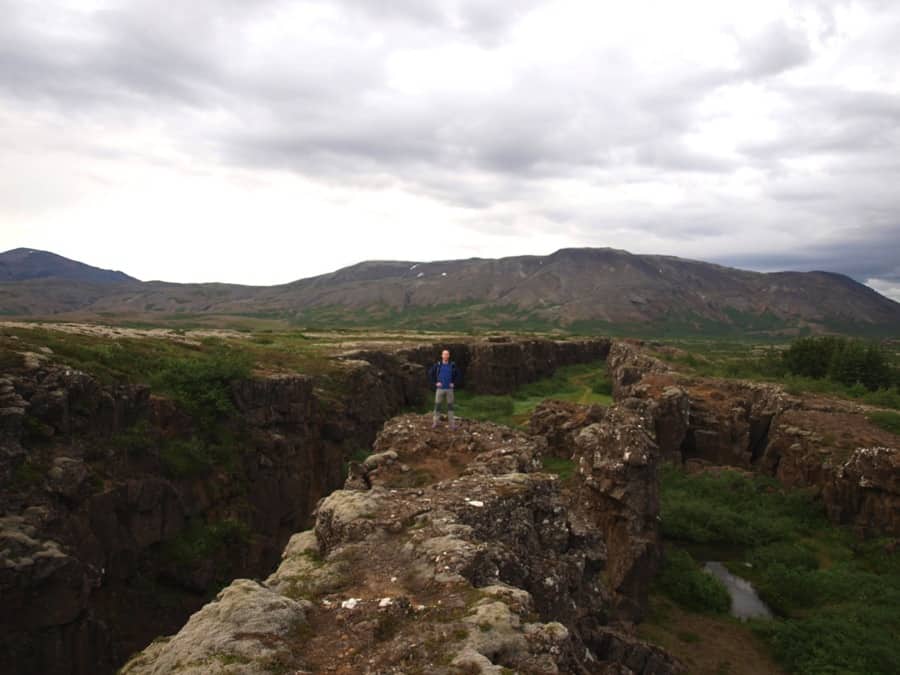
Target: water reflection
x,y
745,603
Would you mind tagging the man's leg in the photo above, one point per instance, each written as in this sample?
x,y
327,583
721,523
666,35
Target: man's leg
x,y
450,414
437,403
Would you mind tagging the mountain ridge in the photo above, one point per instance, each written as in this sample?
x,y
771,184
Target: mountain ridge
x,y
570,287
22,264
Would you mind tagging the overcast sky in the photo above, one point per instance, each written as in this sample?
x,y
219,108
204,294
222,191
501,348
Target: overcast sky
x,y
261,142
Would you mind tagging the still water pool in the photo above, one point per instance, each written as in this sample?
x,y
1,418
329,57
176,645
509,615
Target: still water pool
x,y
745,603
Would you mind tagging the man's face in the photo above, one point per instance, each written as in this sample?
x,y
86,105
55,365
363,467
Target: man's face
x,y
445,356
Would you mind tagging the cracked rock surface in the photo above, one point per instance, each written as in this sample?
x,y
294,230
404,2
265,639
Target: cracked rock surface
x,y
490,566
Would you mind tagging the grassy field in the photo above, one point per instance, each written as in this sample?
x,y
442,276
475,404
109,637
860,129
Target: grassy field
x,y
583,383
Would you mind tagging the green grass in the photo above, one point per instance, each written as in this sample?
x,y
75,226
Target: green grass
x,y
564,468
889,421
581,383
835,597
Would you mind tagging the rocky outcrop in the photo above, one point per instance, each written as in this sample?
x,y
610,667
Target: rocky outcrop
x,y
116,487
107,489
237,633
629,365
865,491
559,422
618,495
808,442
482,571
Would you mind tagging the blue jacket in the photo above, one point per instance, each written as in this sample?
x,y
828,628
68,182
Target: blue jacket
x,y
435,371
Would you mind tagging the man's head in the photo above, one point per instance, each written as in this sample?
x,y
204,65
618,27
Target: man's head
x,y
445,356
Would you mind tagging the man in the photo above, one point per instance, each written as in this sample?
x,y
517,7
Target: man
x,y
443,375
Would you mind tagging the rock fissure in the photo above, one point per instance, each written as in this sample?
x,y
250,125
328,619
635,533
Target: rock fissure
x,y
497,565
129,506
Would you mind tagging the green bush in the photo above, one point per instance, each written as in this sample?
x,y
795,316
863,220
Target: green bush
x,y
689,586
203,385
849,362
845,640
731,508
788,589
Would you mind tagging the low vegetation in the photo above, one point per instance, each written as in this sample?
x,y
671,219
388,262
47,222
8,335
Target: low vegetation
x,y
834,596
202,541
682,580
583,383
867,372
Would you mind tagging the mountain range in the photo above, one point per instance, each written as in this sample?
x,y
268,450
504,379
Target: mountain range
x,y
581,289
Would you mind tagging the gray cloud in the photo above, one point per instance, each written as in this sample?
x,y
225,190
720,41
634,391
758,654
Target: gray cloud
x,y
251,85
872,256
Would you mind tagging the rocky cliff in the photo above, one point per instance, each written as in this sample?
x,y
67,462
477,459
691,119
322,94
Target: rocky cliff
x,y
494,567
804,441
115,522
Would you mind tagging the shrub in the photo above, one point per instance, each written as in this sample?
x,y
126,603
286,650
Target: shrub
x,y
731,508
685,583
202,385
845,640
849,362
812,356
788,589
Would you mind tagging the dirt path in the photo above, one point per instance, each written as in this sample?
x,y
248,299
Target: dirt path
x,y
708,645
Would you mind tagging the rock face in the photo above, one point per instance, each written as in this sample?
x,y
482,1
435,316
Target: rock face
x,y
865,490
824,444
500,365
482,571
618,494
559,422
97,521
94,516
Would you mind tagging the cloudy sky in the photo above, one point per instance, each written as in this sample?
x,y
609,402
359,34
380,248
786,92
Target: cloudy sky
x,y
261,142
